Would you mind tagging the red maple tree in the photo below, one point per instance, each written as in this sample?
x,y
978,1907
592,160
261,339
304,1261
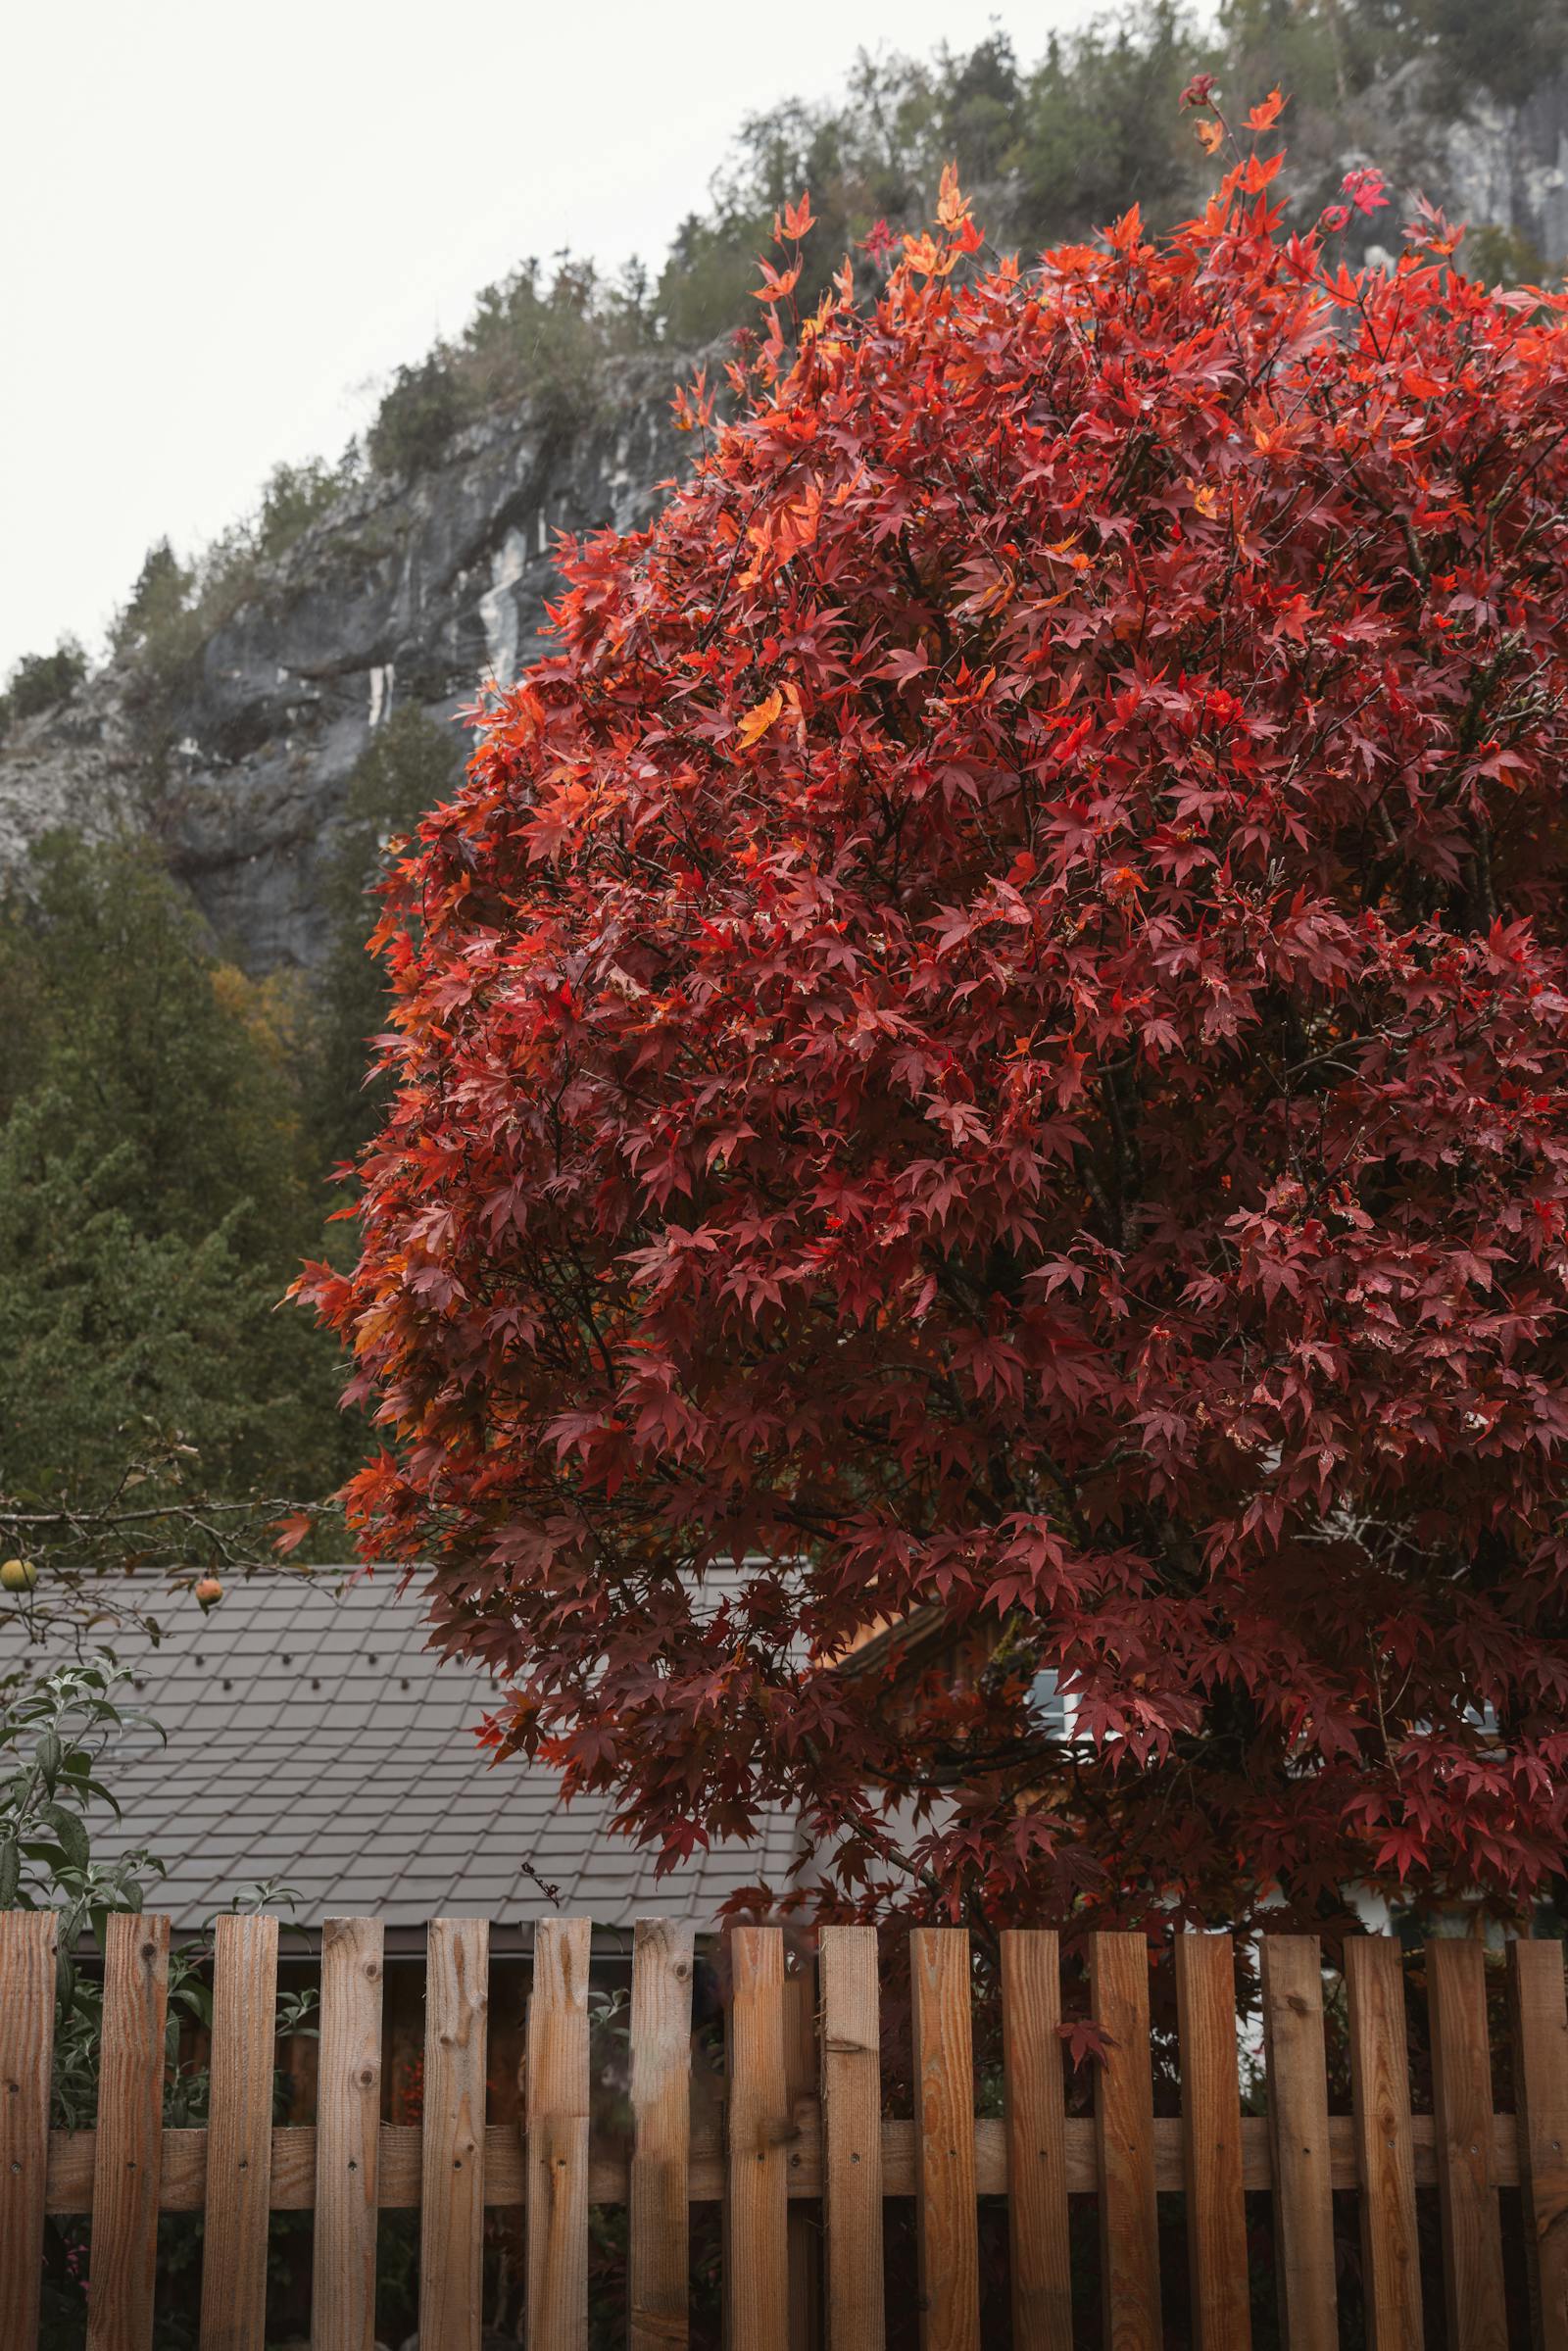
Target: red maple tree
x,y
988,1032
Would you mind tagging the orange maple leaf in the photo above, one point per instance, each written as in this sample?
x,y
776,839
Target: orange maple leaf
x,y
1209,136
799,218
1260,169
924,254
756,721
1126,234
775,287
953,205
1264,117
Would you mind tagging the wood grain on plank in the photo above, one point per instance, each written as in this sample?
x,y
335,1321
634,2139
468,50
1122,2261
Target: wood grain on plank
x,y
801,2082
1211,2127
947,2214
1033,2092
558,2136
1541,2093
1124,2133
1385,2154
453,2141
348,2150
239,2135
659,2240
71,2162
1299,2141
761,2129
852,2137
1461,2097
129,2157
26,2057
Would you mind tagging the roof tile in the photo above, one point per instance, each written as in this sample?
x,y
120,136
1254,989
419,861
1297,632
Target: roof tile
x,y
364,1794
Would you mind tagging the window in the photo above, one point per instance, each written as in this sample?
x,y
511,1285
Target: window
x,y
1050,1704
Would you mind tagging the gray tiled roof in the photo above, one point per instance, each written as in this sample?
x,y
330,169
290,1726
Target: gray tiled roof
x,y
312,1738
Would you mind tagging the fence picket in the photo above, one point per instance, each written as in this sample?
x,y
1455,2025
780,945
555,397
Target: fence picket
x,y
757,2184
1124,2143
1212,2142
1461,2085
452,2222
945,2209
659,2244
239,2135
348,2136
127,2161
1037,2142
1298,2138
27,2056
1381,2093
799,2081
558,2136
787,2142
852,2138
1541,2093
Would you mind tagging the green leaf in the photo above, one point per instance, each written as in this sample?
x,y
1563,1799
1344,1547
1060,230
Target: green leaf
x,y
49,1758
9,1873
72,1833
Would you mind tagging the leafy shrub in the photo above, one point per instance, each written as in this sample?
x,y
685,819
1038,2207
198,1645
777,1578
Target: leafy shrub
x,y
53,1732
418,416
527,337
43,680
296,496
547,342
159,601
1099,126
1502,257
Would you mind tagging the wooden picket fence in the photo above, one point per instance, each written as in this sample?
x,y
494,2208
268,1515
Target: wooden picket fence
x,y
835,2144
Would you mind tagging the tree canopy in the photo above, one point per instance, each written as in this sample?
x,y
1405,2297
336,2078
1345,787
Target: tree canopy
x,y
156,1191
987,1032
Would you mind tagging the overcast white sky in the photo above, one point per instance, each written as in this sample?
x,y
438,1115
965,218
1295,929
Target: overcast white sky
x,y
220,225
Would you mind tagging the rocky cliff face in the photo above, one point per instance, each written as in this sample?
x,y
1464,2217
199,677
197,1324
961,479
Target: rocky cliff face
x,y
417,591
1498,166
404,591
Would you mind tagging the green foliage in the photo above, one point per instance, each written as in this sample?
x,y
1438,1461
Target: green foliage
x,y
41,680
528,337
53,1732
1101,129
296,496
154,1201
158,602
1498,256
149,1048
418,416
1507,48
875,155
118,1340
548,341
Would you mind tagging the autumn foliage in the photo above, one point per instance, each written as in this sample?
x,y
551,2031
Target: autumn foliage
x,y
988,1032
